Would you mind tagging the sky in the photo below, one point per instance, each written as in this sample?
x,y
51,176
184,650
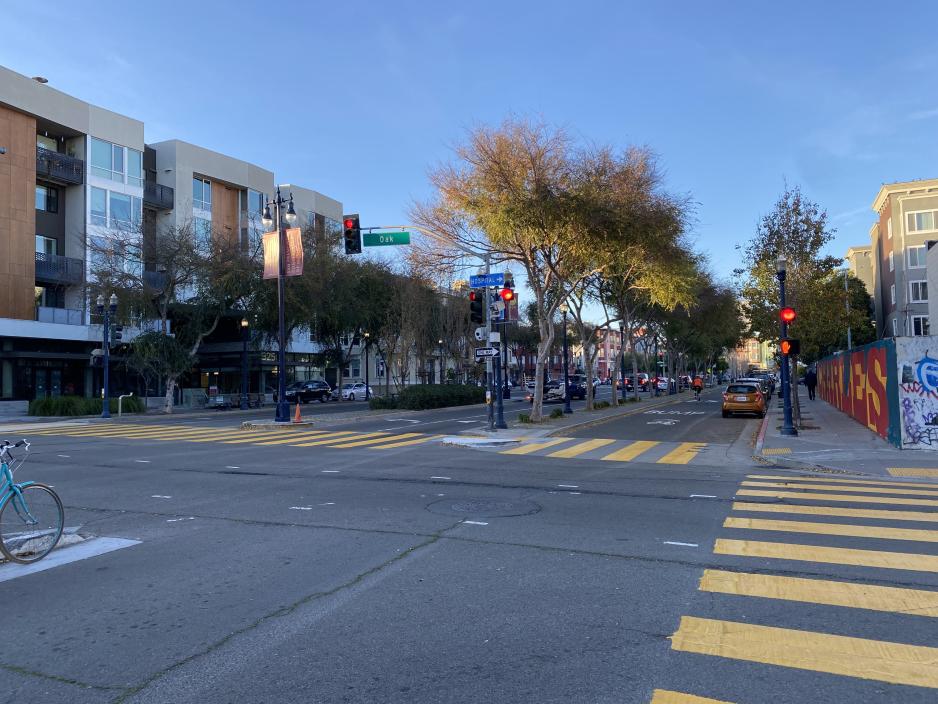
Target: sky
x,y
358,100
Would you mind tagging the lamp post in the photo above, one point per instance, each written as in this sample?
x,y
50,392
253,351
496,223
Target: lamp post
x,y
244,364
566,364
440,343
622,360
367,337
788,427
282,219
657,367
111,308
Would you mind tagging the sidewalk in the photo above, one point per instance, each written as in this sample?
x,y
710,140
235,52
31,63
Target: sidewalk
x,y
834,442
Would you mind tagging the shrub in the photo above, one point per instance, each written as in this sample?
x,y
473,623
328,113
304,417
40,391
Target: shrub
x,y
524,417
80,406
601,404
382,402
421,397
556,413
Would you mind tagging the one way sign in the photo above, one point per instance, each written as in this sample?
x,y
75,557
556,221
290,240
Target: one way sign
x,y
483,352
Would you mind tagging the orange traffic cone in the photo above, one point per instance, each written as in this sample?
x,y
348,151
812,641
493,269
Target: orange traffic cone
x,y
296,416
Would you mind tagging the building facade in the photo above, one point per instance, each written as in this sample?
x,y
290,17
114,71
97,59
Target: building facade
x,y
860,265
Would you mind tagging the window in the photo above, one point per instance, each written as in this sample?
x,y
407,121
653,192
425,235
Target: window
x,y
47,198
134,167
889,229
922,221
917,256
892,294
918,291
98,206
202,194
107,160
255,203
919,325
46,143
202,229
892,261
120,210
895,327
46,245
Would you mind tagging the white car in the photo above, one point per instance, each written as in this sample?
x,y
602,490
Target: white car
x,y
352,392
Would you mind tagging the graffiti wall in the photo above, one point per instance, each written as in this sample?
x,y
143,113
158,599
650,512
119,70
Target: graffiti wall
x,y
863,383
918,391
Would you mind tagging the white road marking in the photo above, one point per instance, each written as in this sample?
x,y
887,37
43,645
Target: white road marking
x,y
702,496
73,553
402,420
441,494
475,523
468,421
569,486
301,508
142,461
439,477
573,493
330,471
63,455
686,545
160,496
174,520
231,466
328,503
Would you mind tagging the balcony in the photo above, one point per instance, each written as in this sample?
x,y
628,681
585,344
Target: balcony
x,y
61,316
55,269
155,281
157,196
60,168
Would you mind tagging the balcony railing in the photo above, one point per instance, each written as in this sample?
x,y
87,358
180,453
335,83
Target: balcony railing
x,y
59,167
157,195
62,316
55,269
155,280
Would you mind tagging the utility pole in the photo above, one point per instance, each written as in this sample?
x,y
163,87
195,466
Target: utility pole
x,y
847,301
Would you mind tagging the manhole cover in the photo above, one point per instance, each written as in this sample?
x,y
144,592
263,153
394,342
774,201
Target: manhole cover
x,y
484,507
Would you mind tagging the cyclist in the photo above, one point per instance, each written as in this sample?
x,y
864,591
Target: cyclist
x,y
698,386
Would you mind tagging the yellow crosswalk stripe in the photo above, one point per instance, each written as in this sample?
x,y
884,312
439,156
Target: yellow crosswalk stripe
x,y
683,453
334,438
160,435
107,431
813,480
405,443
923,516
895,489
896,663
853,531
664,696
292,437
533,447
912,472
581,447
919,602
260,435
836,556
372,441
630,452
853,498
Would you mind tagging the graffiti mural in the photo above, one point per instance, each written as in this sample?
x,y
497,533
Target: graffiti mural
x,y
918,391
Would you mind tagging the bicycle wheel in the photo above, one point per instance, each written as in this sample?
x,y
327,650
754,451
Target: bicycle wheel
x,y
31,525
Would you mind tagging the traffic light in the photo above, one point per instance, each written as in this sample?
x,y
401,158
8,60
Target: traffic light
x,y
352,234
477,305
787,315
117,333
789,346
507,293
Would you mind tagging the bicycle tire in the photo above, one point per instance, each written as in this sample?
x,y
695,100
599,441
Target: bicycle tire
x,y
18,542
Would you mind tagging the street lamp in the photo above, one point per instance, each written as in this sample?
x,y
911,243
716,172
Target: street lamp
x,y
282,219
244,364
111,308
367,337
440,343
788,426
622,363
566,365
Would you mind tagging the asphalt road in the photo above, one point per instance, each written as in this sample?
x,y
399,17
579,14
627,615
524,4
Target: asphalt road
x,y
391,572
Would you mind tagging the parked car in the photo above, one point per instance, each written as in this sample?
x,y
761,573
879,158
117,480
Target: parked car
x,y
763,383
662,382
744,397
351,392
578,386
306,391
643,382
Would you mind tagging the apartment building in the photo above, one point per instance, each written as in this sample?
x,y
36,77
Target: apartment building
x,y
907,218
72,175
860,264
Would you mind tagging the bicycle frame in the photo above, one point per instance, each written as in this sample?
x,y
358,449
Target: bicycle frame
x,y
13,491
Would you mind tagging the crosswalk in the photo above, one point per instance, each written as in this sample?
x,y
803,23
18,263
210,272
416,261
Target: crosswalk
x,y
288,437
612,450
800,552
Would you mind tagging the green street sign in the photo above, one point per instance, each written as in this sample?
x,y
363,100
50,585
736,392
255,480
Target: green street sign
x,y
384,239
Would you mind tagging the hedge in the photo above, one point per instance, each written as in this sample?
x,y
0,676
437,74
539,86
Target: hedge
x,y
421,397
80,406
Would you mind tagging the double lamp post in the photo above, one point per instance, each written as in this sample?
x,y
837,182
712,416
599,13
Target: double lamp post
x,y
107,311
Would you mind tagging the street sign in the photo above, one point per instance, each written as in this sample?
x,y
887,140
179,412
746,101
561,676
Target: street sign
x,y
384,239
483,352
486,280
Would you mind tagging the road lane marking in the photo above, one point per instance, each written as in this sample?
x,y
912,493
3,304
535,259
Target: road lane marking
x,y
666,696
883,661
581,447
702,496
254,436
330,471
912,472
232,466
686,545
475,523
292,438
142,461
82,551
66,456
405,443
568,486
630,452
176,520
835,556
852,498
917,602
853,531
683,453
373,441
341,436
922,516
160,496
912,485
328,503
301,508
895,489
439,477
533,447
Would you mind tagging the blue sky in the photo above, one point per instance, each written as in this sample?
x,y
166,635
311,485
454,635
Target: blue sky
x,y
358,99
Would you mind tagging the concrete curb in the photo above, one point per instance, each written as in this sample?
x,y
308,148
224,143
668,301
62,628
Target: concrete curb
x,y
760,441
468,441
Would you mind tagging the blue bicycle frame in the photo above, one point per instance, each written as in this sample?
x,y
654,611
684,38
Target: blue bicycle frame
x,y
13,491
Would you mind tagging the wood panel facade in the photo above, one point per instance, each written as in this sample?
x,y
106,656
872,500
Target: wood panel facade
x,y
17,215
225,212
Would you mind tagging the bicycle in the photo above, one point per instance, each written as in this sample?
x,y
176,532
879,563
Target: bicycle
x,y
31,514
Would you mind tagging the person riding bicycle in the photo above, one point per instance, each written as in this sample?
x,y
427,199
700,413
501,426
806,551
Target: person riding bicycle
x,y
698,385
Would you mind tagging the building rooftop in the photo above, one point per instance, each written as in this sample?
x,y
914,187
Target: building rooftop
x,y
924,185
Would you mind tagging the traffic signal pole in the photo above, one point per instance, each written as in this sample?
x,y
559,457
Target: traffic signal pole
x,y
788,426
488,360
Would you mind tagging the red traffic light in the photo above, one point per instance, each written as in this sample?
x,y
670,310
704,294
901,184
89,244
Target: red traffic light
x,y
787,315
786,347
507,295
349,223
472,296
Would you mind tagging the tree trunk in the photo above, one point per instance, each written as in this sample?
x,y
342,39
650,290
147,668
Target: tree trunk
x,y
635,373
588,363
170,389
612,380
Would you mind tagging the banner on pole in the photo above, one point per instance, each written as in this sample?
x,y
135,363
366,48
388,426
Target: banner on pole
x,y
293,257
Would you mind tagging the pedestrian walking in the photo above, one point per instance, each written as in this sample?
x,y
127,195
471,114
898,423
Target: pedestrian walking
x,y
810,380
